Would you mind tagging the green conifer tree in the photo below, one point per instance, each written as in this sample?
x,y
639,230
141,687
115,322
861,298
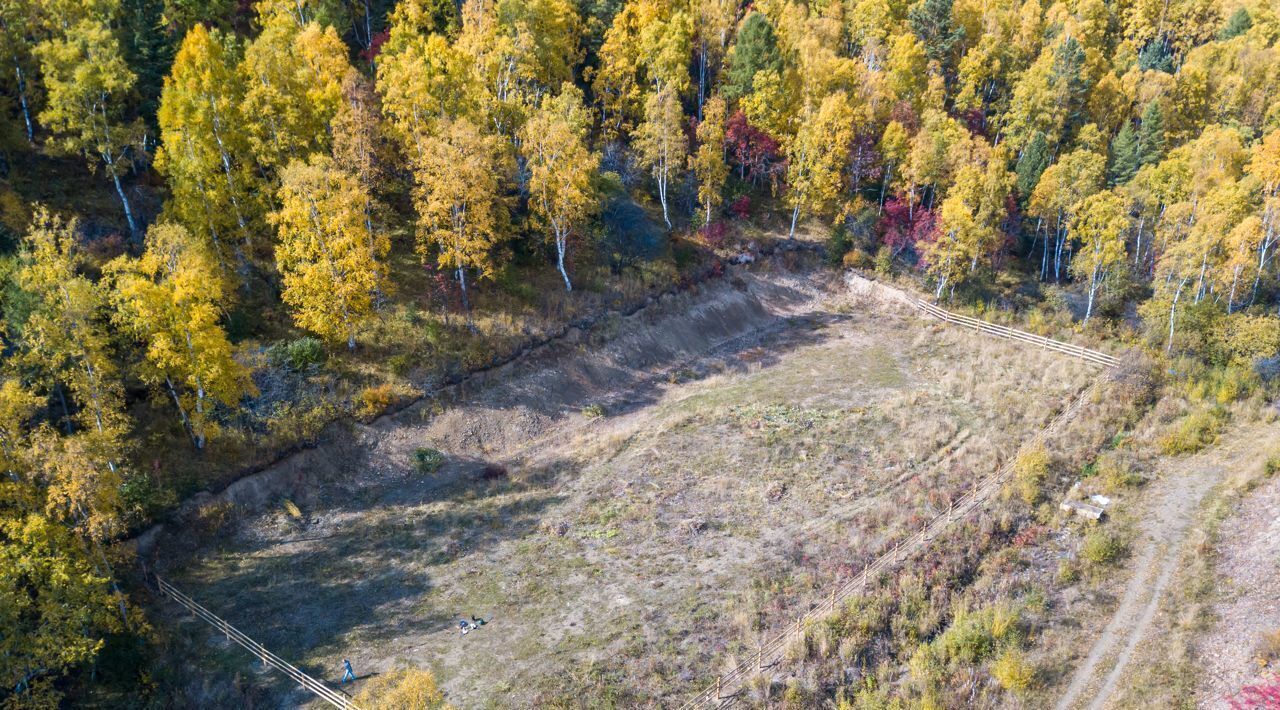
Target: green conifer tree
x,y
755,50
1124,156
1033,161
1151,139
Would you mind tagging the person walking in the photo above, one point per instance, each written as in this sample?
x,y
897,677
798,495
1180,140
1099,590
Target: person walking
x,y
350,674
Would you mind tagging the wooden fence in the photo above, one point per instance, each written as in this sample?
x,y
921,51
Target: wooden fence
x,y
317,687
1000,331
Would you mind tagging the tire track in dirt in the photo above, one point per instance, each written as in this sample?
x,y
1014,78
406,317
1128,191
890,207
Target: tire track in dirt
x,y
1164,530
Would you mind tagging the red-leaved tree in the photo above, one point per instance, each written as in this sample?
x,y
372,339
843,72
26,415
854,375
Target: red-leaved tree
x,y
757,154
902,228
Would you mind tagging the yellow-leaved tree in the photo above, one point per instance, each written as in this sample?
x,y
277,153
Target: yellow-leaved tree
x,y
17,404
88,87
204,148
968,233
330,268
817,156
461,211
170,299
522,49
661,142
1100,223
293,79
708,162
65,340
561,168
423,80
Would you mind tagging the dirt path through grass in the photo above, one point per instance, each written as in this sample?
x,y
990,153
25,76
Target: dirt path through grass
x,y
1176,497
1248,567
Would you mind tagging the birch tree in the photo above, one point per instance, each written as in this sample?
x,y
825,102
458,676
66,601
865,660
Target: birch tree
x,y
816,157
329,271
561,169
293,78
457,195
88,88
661,143
204,148
66,339
708,163
1100,223
170,299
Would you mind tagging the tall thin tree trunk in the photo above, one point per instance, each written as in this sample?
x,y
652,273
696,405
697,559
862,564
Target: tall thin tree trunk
x,y
182,413
795,215
1172,310
128,212
561,243
1093,290
22,101
662,196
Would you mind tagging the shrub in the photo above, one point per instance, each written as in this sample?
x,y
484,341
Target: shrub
x,y
856,259
377,399
593,411
1115,473
714,234
1193,433
141,497
975,636
1263,696
1269,648
1242,338
493,472
741,207
1030,471
1068,572
884,260
1102,546
291,423
408,689
299,355
292,510
1013,672
1272,466
427,460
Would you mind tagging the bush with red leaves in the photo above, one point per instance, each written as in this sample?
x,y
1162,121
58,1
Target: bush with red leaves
x,y
714,234
375,45
741,207
901,227
1263,696
757,154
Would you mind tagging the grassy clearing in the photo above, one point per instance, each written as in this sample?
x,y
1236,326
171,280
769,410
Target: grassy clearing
x,y
629,557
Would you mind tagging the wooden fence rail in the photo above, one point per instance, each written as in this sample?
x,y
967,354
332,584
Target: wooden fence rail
x,y
727,686
317,687
1001,331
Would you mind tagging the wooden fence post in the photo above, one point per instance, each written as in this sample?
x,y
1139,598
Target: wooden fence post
x,y
719,695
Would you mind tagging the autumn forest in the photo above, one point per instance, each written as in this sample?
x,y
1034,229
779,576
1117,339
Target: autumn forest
x,y
224,225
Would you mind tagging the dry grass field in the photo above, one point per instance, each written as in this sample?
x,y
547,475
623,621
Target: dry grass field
x,y
632,510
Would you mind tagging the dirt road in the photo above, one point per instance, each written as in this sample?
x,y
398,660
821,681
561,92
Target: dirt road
x,y
1174,501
